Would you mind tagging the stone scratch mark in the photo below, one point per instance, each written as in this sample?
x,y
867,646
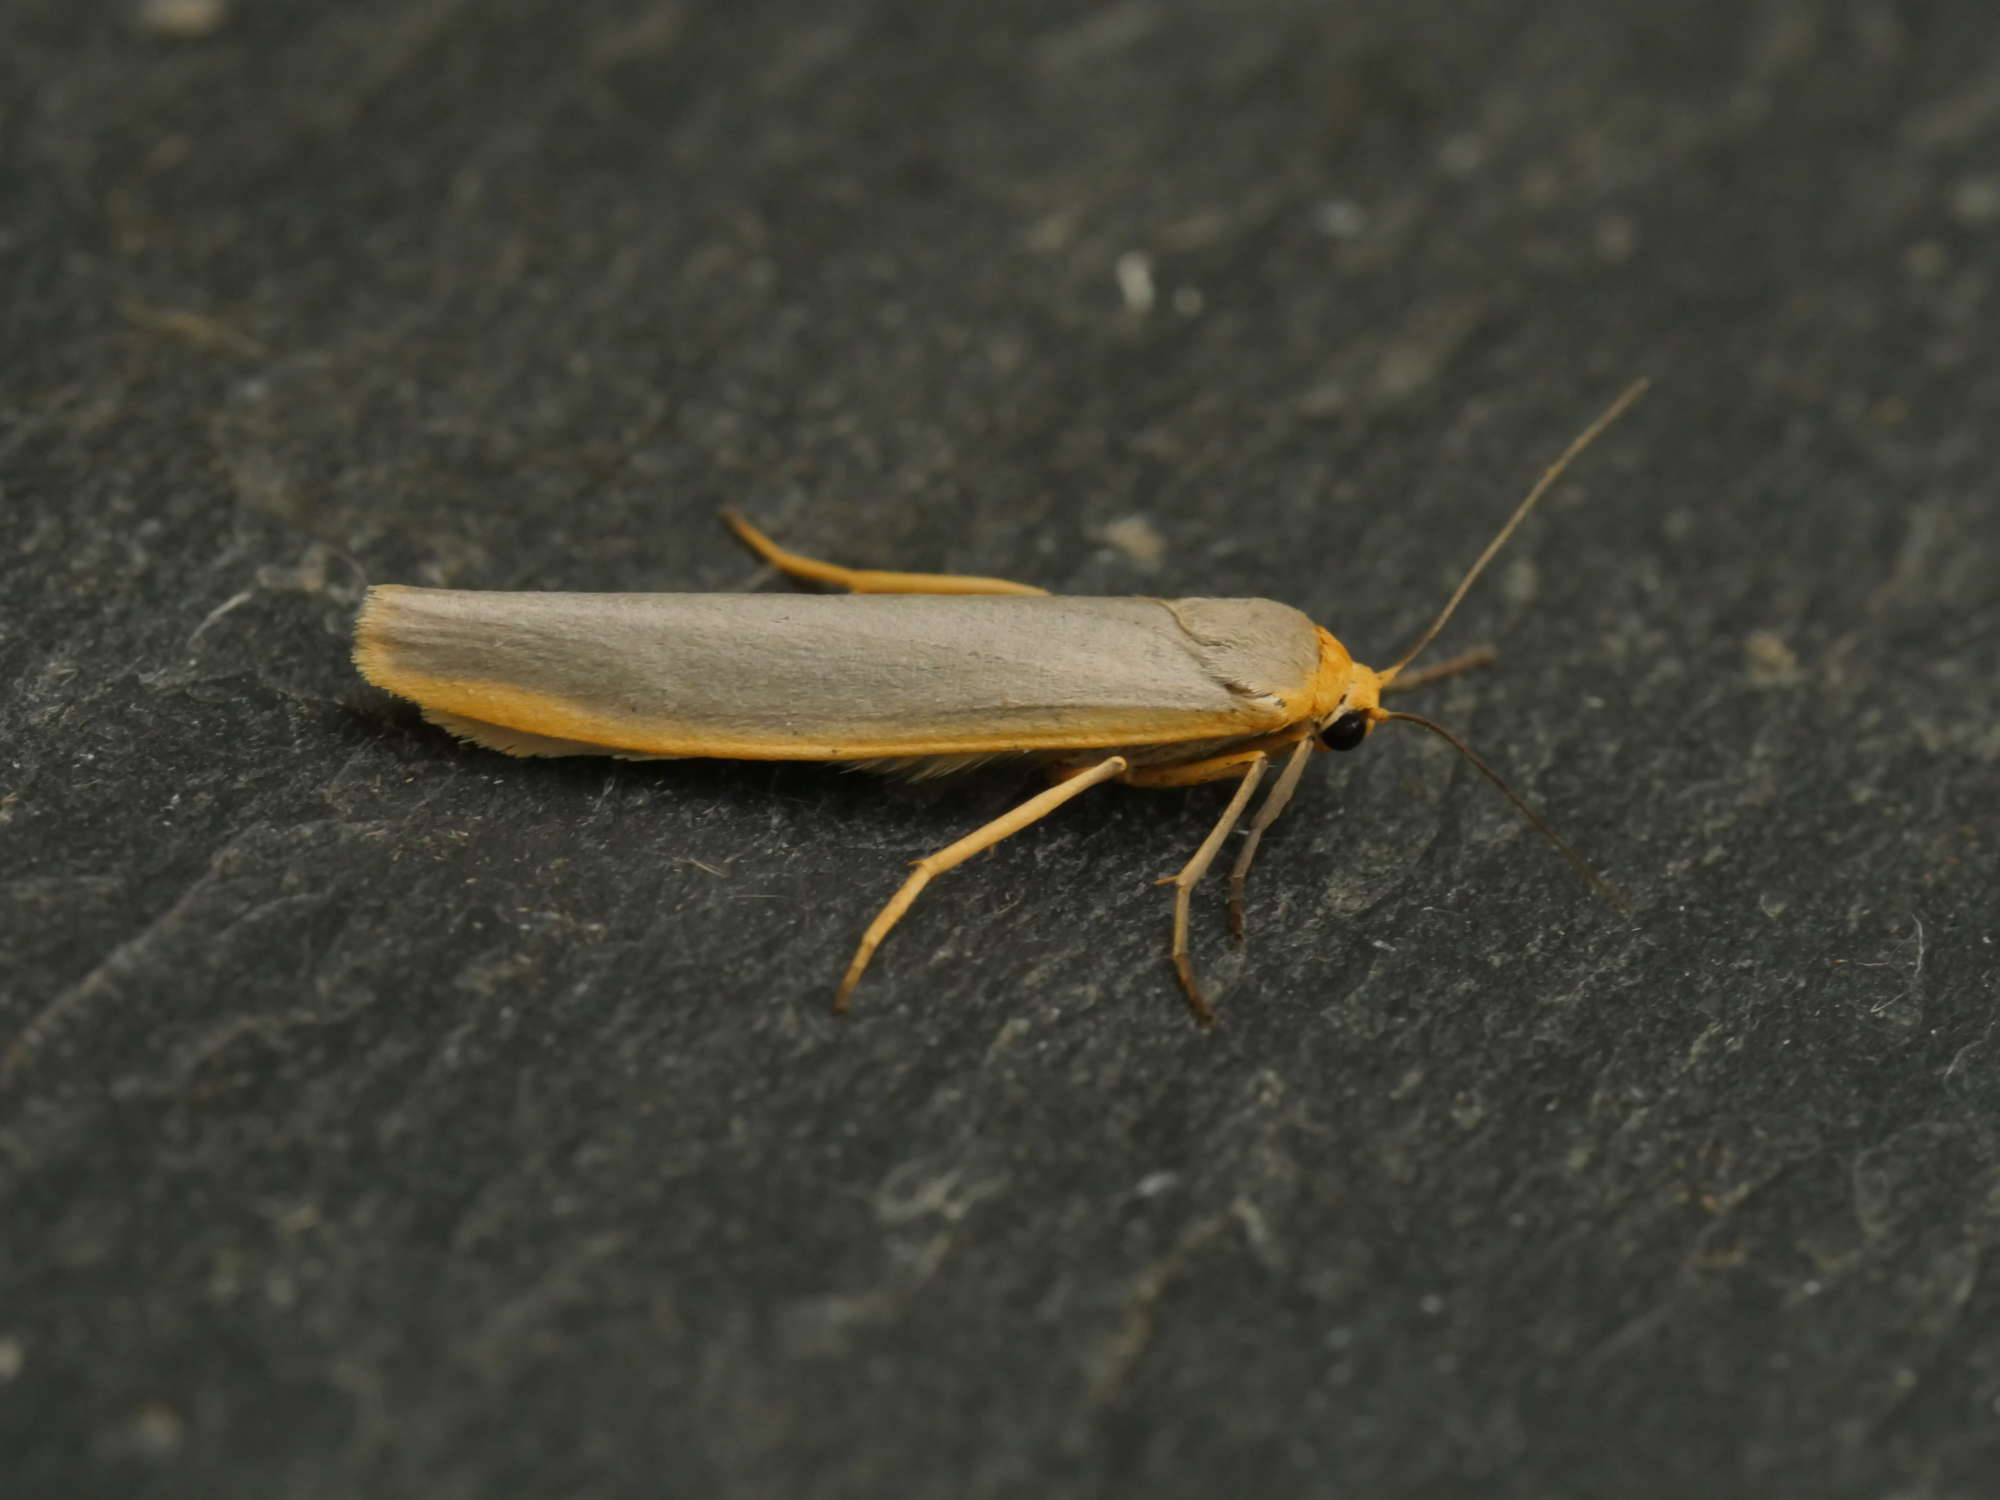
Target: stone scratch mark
x,y
132,957
1120,1353
651,34
405,41
198,330
128,958
1913,989
1957,116
1931,1367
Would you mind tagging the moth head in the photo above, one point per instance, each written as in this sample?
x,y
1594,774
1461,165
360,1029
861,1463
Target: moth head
x,y
1357,714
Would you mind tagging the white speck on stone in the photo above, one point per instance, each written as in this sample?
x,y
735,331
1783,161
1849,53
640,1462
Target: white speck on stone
x,y
1462,155
156,1430
1976,200
183,18
1134,271
1926,260
1340,219
1050,235
1135,537
1520,582
1616,237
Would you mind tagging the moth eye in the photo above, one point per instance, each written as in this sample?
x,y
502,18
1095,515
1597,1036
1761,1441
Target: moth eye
x,y
1345,732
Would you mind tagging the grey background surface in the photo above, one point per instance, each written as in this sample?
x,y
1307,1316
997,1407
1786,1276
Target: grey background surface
x,y
381,1117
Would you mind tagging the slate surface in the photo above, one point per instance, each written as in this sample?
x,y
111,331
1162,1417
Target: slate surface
x,y
384,1118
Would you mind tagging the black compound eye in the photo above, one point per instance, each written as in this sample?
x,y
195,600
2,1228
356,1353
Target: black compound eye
x,y
1345,732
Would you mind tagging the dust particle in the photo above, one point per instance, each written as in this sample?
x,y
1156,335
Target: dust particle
x,y
1770,662
183,18
1135,537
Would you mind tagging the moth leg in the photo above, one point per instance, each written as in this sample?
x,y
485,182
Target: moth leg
x,y
1190,876
1451,666
1033,810
1274,804
865,580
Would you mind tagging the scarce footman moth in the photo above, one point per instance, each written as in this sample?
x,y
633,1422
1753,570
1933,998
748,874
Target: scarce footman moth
x,y
923,673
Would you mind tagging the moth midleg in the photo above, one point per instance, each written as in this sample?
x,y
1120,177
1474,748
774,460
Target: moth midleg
x,y
866,580
1190,876
1032,811
1274,804
1215,767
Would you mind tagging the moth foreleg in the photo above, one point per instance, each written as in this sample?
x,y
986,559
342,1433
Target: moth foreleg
x,y
1190,876
1281,794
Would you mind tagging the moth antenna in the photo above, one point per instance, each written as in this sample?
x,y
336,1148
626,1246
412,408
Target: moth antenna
x,y
1550,475
1603,887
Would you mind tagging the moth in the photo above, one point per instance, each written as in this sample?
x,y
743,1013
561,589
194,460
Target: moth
x,y
927,674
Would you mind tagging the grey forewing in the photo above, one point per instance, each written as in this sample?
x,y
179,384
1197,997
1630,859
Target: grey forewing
x,y
803,664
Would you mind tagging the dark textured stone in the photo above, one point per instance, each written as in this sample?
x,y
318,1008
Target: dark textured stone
x,y
381,1117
